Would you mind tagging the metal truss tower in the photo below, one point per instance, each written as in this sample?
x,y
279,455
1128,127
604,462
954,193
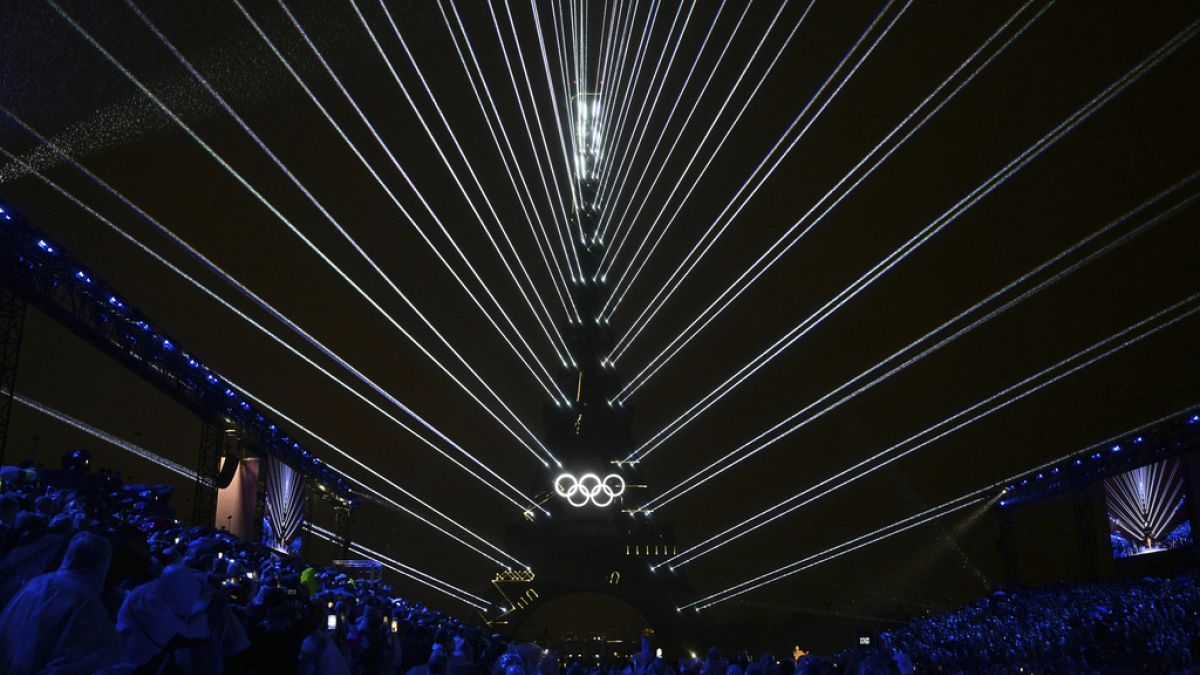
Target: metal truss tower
x,y
12,325
598,549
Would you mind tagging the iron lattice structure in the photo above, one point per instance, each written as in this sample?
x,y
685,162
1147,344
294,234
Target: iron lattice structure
x,y
12,326
607,550
1169,438
42,274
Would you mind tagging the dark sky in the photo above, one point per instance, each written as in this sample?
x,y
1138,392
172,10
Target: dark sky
x,y
1143,141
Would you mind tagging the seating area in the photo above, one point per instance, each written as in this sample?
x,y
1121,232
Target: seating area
x,y
100,576
1149,625
151,594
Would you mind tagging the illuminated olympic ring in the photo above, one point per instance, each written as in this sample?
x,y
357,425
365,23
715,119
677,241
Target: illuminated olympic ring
x,y
589,489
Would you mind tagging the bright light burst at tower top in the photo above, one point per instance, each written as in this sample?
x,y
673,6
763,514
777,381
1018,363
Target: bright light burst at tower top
x,y
587,125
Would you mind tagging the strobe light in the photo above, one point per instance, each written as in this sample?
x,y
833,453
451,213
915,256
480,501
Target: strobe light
x,y
589,489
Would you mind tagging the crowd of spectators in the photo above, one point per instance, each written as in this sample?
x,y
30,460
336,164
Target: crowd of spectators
x,y
1146,625
97,576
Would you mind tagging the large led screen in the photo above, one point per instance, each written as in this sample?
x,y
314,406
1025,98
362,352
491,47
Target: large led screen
x,y
1148,509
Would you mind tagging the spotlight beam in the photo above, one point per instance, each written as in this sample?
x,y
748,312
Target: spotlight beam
x,y
629,83
113,440
393,564
183,472
267,332
566,60
903,357
631,50
607,44
674,106
539,125
508,169
423,578
589,136
559,277
552,389
712,71
617,237
283,219
614,159
557,340
1068,366
616,299
573,59
641,120
394,485
557,22
679,275
620,56
624,113
557,208
1000,177
367,165
612,78
404,174
974,497
562,141
834,552
832,305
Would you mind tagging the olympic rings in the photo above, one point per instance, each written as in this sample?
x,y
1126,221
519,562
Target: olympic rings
x,y
589,489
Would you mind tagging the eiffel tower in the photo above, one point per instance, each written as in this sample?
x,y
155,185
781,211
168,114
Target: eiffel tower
x,y
608,548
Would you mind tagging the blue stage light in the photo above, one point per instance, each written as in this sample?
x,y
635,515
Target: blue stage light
x,y
1078,462
212,379
167,345
45,246
193,363
1116,448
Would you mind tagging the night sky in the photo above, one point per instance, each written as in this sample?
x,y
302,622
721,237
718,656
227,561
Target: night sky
x,y
1144,141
